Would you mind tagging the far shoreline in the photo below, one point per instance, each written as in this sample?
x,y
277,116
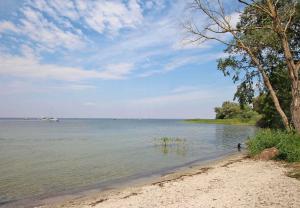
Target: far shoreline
x,y
237,122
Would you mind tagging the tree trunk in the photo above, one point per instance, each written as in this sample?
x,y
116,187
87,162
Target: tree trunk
x,y
268,84
275,100
293,68
295,110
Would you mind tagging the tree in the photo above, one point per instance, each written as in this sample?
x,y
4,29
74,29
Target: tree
x,y
228,110
263,39
231,110
263,103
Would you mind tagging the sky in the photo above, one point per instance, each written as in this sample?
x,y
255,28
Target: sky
x,y
106,59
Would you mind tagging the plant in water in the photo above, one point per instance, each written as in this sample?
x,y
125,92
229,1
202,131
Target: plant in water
x,y
169,144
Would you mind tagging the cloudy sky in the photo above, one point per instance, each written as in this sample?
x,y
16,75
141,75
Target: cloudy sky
x,y
105,58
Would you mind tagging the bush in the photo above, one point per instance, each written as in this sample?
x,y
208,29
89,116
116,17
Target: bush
x,y
231,110
287,143
228,110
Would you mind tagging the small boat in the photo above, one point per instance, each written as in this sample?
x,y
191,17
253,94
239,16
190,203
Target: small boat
x,y
54,119
50,119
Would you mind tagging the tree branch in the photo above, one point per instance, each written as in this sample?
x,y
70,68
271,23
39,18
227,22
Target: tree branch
x,y
255,5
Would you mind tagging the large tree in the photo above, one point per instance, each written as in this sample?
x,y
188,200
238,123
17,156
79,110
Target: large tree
x,y
265,39
263,103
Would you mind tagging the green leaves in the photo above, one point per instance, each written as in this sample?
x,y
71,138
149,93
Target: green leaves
x,y
256,31
231,110
287,143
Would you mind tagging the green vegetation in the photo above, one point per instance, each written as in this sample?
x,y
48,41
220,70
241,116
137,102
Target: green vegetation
x,y
232,114
288,144
223,121
231,110
264,105
171,145
169,141
263,60
262,55
265,64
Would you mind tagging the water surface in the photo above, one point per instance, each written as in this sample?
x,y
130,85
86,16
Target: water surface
x,y
39,158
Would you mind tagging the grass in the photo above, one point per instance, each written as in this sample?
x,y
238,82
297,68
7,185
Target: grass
x,y
169,144
169,141
287,143
234,121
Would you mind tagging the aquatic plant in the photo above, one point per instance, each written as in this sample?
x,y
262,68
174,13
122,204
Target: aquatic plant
x,y
169,144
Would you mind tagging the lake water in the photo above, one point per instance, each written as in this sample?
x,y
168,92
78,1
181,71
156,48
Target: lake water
x,y
40,158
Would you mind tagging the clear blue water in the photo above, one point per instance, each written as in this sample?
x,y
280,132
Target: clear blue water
x,y
41,157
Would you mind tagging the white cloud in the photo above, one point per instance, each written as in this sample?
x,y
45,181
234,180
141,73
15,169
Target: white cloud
x,y
180,62
181,97
154,37
31,67
110,16
155,4
189,103
61,30
8,26
39,29
99,15
19,86
117,71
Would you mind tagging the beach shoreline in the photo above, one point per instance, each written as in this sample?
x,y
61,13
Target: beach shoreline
x,y
200,181
85,193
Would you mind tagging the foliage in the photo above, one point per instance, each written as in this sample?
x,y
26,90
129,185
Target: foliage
x,y
235,121
265,46
288,144
228,110
231,110
263,103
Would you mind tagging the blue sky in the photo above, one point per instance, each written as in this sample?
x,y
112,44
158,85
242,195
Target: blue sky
x,y
105,58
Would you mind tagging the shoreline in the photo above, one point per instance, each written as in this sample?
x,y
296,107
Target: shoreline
x,y
128,190
140,192
56,199
236,122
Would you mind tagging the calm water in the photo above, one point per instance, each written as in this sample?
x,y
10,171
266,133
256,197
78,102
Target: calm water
x,y
39,158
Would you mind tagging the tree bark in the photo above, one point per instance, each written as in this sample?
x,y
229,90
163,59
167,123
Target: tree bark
x,y
283,116
293,68
295,111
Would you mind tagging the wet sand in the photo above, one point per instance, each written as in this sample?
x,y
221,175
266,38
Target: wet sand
x,y
235,181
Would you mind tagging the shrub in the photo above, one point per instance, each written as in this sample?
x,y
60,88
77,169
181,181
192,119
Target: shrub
x,y
287,143
231,110
228,110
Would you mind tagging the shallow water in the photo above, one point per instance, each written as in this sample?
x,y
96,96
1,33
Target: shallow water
x,y
39,158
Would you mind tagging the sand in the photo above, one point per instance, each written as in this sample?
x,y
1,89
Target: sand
x,y
233,182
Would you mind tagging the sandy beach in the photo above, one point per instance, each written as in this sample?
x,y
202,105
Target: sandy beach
x,y
235,181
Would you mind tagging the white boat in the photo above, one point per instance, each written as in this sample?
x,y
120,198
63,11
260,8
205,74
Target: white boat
x,y
54,119
50,119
